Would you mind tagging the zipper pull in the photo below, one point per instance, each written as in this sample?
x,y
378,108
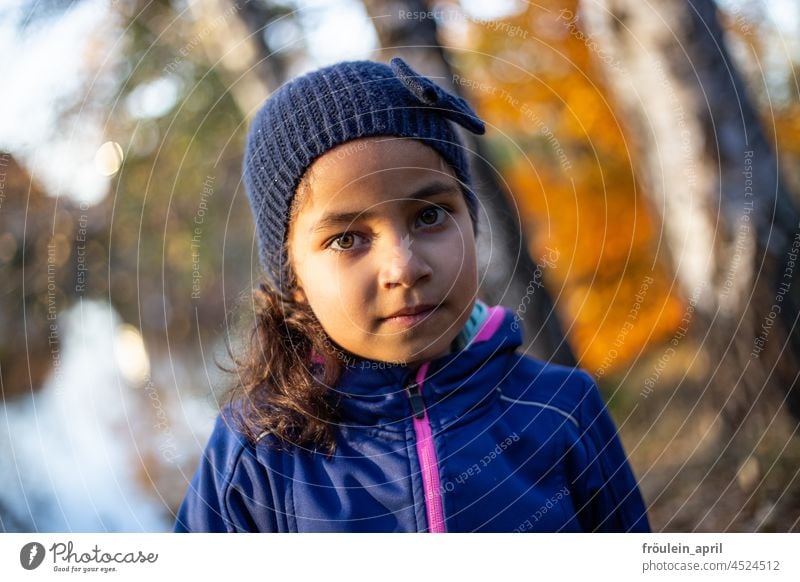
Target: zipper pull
x,y
415,396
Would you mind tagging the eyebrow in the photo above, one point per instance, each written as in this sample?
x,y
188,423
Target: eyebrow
x,y
338,218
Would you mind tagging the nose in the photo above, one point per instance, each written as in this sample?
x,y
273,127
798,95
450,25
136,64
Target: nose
x,y
401,263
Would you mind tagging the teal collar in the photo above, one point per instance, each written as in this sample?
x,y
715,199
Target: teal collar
x,y
479,314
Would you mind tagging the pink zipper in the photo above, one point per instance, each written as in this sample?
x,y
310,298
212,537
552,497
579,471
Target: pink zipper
x,y
427,454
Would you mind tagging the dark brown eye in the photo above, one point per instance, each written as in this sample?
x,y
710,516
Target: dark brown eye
x,y
342,241
430,215
346,243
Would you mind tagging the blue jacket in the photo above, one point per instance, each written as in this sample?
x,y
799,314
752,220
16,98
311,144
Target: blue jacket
x,y
482,439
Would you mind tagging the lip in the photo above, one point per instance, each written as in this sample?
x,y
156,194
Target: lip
x,y
412,315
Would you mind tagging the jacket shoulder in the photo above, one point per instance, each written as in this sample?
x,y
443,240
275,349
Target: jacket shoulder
x,y
561,389
604,486
225,485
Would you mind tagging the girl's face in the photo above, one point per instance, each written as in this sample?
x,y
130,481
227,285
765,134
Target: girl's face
x,y
382,227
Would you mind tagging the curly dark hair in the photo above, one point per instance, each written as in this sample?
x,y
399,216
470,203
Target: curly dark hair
x,y
278,389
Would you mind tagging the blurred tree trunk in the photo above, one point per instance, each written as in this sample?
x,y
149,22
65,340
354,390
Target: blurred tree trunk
x,y
712,177
503,251
232,32
30,221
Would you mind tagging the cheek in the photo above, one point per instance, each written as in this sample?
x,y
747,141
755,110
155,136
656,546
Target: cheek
x,y
459,265
335,288
456,252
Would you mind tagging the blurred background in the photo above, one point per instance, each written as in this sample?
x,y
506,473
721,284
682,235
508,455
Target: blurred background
x,y
640,182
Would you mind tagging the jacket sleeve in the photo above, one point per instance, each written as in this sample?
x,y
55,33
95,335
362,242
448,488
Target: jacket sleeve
x,y
606,494
225,488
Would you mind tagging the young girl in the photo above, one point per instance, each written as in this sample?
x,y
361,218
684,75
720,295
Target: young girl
x,y
379,393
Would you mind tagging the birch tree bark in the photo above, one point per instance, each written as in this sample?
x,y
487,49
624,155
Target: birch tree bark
x,y
728,222
233,35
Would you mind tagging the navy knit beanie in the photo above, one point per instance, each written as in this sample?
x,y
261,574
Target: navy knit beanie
x,y
314,113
